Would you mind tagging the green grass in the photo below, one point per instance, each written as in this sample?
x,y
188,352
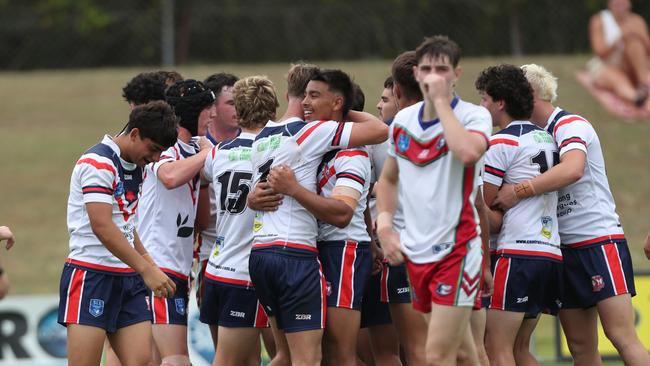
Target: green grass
x,y
50,117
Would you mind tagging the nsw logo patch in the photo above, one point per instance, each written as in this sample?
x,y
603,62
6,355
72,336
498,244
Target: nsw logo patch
x,y
96,307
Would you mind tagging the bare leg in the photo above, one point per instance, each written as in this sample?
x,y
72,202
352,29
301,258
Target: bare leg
x,y
238,346
412,330
128,343
617,316
523,357
581,330
636,60
341,335
171,340
477,324
111,357
502,328
442,347
305,347
85,345
385,345
282,356
269,343
616,80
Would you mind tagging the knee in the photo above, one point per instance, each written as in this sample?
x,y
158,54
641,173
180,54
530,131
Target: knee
x,y
436,358
176,360
584,343
620,334
282,358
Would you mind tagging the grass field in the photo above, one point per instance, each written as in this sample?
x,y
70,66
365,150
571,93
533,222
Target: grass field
x,y
50,117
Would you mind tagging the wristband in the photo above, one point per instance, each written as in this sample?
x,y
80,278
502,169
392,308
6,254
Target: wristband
x,y
524,189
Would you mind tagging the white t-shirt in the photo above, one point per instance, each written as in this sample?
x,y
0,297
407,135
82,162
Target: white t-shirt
x,y
586,209
301,146
100,175
345,168
166,216
437,191
228,168
518,153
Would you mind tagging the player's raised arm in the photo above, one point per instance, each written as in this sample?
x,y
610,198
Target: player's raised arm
x,y
174,173
367,130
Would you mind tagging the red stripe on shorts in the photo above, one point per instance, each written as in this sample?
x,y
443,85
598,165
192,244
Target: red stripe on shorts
x,y
501,272
261,319
615,268
383,285
346,281
323,295
160,312
75,294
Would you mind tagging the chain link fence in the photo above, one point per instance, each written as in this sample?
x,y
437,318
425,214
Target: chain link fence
x,y
92,33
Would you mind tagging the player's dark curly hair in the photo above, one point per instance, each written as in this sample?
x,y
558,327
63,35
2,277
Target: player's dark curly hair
x,y
144,87
509,84
337,82
216,82
188,98
156,121
358,98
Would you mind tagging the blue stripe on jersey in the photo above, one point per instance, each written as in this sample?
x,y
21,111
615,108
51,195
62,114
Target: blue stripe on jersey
x,y
289,129
427,124
237,142
560,114
326,159
518,130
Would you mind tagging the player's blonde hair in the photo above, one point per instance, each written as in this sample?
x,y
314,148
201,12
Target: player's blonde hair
x,y
299,75
255,101
543,82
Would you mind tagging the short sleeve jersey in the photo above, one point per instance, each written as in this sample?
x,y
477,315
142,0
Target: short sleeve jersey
x,y
377,155
345,168
101,176
228,167
586,208
301,146
518,153
166,216
436,190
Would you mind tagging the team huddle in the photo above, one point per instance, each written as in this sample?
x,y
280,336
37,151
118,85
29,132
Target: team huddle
x,y
336,237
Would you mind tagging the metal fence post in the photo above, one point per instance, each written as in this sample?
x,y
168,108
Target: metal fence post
x,y
167,33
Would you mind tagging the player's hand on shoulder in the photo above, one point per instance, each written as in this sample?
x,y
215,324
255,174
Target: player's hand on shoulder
x,y
506,198
204,144
158,281
264,198
6,234
282,180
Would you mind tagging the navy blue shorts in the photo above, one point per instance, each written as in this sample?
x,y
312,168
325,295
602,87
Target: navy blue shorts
x,y
291,287
231,305
102,299
346,266
595,273
395,286
526,285
172,310
373,311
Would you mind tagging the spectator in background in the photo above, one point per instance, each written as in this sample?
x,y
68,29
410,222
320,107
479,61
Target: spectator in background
x,y
5,234
619,39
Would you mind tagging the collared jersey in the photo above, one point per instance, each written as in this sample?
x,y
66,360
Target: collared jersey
x,y
586,208
228,167
437,191
301,146
101,175
166,216
520,152
345,168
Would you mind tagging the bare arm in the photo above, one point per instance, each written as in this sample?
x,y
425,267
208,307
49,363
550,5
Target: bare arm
x,y
203,209
367,130
386,206
101,222
176,173
263,198
568,171
482,210
597,39
331,210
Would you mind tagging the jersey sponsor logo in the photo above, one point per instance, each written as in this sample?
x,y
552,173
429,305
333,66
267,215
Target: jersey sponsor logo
x,y
443,289
183,231
547,226
403,142
119,190
180,306
303,316
257,222
521,300
437,248
96,307
237,314
597,283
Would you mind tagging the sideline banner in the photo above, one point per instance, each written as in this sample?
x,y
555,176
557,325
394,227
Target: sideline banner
x,y
641,304
30,335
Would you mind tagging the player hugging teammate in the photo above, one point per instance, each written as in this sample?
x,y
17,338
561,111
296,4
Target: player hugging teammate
x,y
329,230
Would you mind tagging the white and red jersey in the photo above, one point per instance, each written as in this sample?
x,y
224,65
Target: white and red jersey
x,y
345,168
301,146
166,216
436,190
228,167
208,236
520,152
585,209
377,155
100,175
